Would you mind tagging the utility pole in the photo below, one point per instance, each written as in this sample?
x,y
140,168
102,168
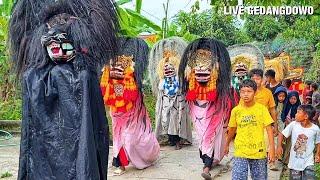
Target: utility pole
x,y
165,20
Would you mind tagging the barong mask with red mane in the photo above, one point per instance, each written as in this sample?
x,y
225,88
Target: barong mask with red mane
x,y
203,76
120,87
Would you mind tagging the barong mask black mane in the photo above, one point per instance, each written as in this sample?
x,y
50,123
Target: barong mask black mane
x,y
82,22
121,81
118,67
214,56
136,50
57,47
57,42
205,66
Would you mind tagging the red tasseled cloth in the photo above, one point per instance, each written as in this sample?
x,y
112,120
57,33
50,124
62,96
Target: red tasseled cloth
x,y
123,157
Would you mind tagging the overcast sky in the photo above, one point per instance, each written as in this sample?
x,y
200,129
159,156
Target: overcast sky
x,y
153,9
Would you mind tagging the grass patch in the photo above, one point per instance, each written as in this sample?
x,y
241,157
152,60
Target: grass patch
x,y
317,169
11,109
6,174
150,103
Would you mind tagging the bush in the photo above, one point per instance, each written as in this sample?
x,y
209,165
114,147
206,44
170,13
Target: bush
x,y
304,28
212,24
10,101
314,71
150,102
263,28
11,109
301,52
317,168
6,174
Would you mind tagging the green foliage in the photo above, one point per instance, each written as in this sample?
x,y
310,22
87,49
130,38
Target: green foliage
x,y
210,23
10,102
121,2
149,101
3,35
314,73
132,23
6,174
301,52
304,28
138,6
5,8
263,28
11,109
317,168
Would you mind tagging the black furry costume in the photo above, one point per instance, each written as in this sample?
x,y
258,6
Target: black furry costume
x,y
56,47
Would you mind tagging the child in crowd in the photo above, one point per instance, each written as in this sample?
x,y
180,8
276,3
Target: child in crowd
x,y
306,89
288,114
280,95
290,107
309,98
265,97
249,119
304,135
316,101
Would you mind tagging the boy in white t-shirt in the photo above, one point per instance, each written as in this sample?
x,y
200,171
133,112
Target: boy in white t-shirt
x,y
304,136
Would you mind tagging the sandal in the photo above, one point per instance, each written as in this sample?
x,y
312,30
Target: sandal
x,y
178,146
119,171
273,167
206,176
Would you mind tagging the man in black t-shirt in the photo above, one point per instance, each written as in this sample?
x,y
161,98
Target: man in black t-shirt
x,y
272,84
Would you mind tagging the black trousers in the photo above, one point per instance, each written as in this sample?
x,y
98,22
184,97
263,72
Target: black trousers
x,y
173,139
116,162
207,161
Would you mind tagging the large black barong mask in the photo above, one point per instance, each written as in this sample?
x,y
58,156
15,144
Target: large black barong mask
x,y
57,47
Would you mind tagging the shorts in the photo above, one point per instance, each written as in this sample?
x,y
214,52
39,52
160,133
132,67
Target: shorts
x,y
258,168
307,174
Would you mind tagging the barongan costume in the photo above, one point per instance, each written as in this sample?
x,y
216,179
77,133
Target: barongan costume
x,y
244,57
121,84
56,47
205,72
172,110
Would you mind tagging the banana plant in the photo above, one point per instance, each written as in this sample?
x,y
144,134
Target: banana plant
x,y
132,23
5,7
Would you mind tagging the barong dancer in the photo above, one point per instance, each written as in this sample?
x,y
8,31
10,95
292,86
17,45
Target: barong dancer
x,y
121,84
205,72
56,47
172,120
